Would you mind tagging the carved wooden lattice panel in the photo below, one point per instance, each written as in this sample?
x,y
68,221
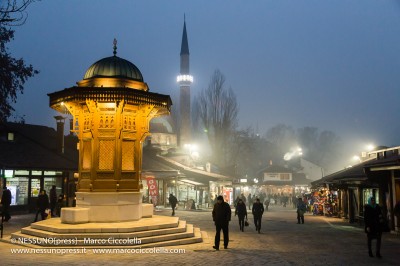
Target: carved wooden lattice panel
x,y
129,123
106,154
86,119
76,123
87,155
127,155
107,121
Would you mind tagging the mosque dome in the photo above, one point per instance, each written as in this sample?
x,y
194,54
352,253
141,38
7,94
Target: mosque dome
x,y
114,67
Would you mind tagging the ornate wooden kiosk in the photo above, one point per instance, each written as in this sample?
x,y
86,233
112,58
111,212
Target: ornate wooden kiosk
x,y
111,109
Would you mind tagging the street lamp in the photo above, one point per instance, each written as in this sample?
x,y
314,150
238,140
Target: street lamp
x,y
357,158
370,147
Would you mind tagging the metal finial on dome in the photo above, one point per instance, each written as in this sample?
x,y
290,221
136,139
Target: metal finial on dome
x,y
115,47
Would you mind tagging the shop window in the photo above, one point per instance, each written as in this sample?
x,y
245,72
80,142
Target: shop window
x,y
35,187
285,176
8,173
19,190
50,181
10,136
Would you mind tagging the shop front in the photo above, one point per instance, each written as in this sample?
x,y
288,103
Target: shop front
x,y
25,186
223,188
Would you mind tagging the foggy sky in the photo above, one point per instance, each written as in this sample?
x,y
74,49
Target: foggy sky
x,y
334,65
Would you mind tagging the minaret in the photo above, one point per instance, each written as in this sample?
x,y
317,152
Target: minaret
x,y
184,80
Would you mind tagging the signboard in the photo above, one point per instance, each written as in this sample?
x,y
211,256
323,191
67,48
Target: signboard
x,y
152,185
277,177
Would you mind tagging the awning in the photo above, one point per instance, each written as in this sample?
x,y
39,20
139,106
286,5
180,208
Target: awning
x,y
191,182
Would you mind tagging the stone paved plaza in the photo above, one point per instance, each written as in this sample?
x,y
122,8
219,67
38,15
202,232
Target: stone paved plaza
x,y
320,241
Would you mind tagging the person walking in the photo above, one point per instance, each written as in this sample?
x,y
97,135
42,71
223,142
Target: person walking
x,y
266,204
53,200
221,216
42,204
257,210
396,212
373,219
60,204
236,201
6,202
172,200
241,212
250,201
301,209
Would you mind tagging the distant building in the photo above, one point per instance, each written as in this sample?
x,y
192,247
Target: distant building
x,y
33,158
162,134
276,179
311,170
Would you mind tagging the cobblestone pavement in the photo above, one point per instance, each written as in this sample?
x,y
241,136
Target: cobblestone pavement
x,y
320,241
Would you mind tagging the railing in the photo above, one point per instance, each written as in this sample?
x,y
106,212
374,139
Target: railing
x,y
110,95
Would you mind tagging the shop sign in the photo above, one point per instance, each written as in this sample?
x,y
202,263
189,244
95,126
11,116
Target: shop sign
x,y
152,185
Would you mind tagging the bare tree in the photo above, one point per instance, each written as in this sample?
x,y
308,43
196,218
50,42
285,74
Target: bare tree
x,y
13,72
283,137
12,12
215,109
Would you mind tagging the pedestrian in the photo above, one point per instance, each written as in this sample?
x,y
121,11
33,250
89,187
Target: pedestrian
x,y
241,212
243,197
221,216
266,204
172,200
236,201
53,200
6,202
60,204
42,204
250,201
396,212
373,219
258,210
294,202
301,209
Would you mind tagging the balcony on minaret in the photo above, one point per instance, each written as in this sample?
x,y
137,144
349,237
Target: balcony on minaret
x,y
184,80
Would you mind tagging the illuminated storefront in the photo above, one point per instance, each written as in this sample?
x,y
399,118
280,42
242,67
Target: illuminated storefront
x,y
30,161
25,185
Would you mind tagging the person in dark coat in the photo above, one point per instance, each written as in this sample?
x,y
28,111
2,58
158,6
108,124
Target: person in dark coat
x,y
6,202
257,210
42,204
241,212
301,209
172,200
60,204
249,201
266,204
373,219
221,216
53,200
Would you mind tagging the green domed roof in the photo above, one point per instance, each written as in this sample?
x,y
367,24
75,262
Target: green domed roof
x,y
113,66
